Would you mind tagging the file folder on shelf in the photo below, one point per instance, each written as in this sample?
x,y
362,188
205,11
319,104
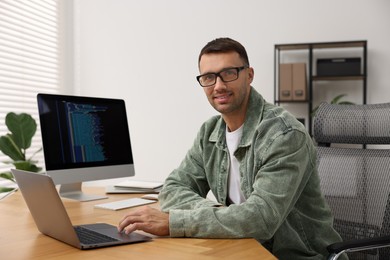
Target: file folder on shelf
x,y
292,82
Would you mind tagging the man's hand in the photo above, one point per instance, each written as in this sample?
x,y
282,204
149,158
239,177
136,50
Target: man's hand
x,y
147,219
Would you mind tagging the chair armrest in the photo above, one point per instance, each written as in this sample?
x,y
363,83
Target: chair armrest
x,y
359,245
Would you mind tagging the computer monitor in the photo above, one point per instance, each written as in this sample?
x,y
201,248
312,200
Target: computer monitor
x,y
84,139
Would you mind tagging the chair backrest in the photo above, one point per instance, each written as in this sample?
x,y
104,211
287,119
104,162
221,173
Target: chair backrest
x,y
355,169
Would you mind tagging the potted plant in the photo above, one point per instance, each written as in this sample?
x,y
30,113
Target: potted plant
x,y
22,128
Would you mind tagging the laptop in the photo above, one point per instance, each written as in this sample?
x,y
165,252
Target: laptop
x,y
51,218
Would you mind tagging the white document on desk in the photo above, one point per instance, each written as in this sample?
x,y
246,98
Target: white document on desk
x,y
146,185
132,186
123,204
114,190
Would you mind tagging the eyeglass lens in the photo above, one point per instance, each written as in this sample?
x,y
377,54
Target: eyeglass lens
x,y
226,75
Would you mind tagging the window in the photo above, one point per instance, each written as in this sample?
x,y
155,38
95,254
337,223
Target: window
x,y
30,60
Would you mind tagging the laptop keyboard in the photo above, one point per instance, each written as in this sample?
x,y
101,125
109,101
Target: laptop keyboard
x,y
89,237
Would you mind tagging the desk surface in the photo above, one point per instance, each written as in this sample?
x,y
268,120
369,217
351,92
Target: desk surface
x,y
20,239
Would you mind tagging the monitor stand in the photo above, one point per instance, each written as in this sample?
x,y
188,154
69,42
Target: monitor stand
x,y
73,191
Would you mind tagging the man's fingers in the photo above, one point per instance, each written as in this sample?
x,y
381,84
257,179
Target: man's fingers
x,y
128,219
146,219
130,228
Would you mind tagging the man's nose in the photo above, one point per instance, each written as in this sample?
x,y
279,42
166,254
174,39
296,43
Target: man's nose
x,y
219,84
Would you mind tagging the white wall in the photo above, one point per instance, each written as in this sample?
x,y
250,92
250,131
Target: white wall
x,y
146,52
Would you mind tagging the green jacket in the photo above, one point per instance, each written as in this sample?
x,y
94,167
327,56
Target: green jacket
x,y
285,209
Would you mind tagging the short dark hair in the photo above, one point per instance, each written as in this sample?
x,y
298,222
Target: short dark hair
x,y
225,45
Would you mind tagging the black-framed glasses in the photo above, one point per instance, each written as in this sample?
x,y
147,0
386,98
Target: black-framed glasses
x,y
226,75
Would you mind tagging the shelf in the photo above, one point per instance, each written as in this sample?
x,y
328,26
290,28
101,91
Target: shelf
x,y
321,45
286,47
292,101
311,54
324,78
353,44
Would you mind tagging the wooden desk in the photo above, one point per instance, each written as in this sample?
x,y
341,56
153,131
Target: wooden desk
x,y
20,239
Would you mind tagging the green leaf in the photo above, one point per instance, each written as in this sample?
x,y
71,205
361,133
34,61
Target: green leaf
x,y
7,176
6,189
26,166
336,99
346,103
22,127
10,148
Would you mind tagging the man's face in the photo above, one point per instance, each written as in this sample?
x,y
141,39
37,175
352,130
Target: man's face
x,y
228,98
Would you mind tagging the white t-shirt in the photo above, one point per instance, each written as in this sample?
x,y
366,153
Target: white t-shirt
x,y
235,194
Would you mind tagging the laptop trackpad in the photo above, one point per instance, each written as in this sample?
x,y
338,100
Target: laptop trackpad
x,y
112,231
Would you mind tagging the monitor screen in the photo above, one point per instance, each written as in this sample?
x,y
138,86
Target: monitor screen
x,y
84,139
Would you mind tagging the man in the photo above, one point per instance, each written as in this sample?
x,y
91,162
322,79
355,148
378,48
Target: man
x,y
256,158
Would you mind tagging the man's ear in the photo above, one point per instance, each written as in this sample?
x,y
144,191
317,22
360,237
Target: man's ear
x,y
251,74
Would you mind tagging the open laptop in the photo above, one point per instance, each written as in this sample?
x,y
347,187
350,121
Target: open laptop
x,y
51,218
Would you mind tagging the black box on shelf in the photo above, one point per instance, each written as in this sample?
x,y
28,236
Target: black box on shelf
x,y
339,67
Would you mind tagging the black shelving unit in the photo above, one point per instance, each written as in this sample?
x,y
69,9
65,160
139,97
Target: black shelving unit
x,y
311,77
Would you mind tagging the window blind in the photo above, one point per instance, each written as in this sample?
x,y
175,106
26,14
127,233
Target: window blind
x,y
29,61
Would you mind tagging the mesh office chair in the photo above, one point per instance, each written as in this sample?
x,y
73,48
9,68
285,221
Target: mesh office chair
x,y
355,176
